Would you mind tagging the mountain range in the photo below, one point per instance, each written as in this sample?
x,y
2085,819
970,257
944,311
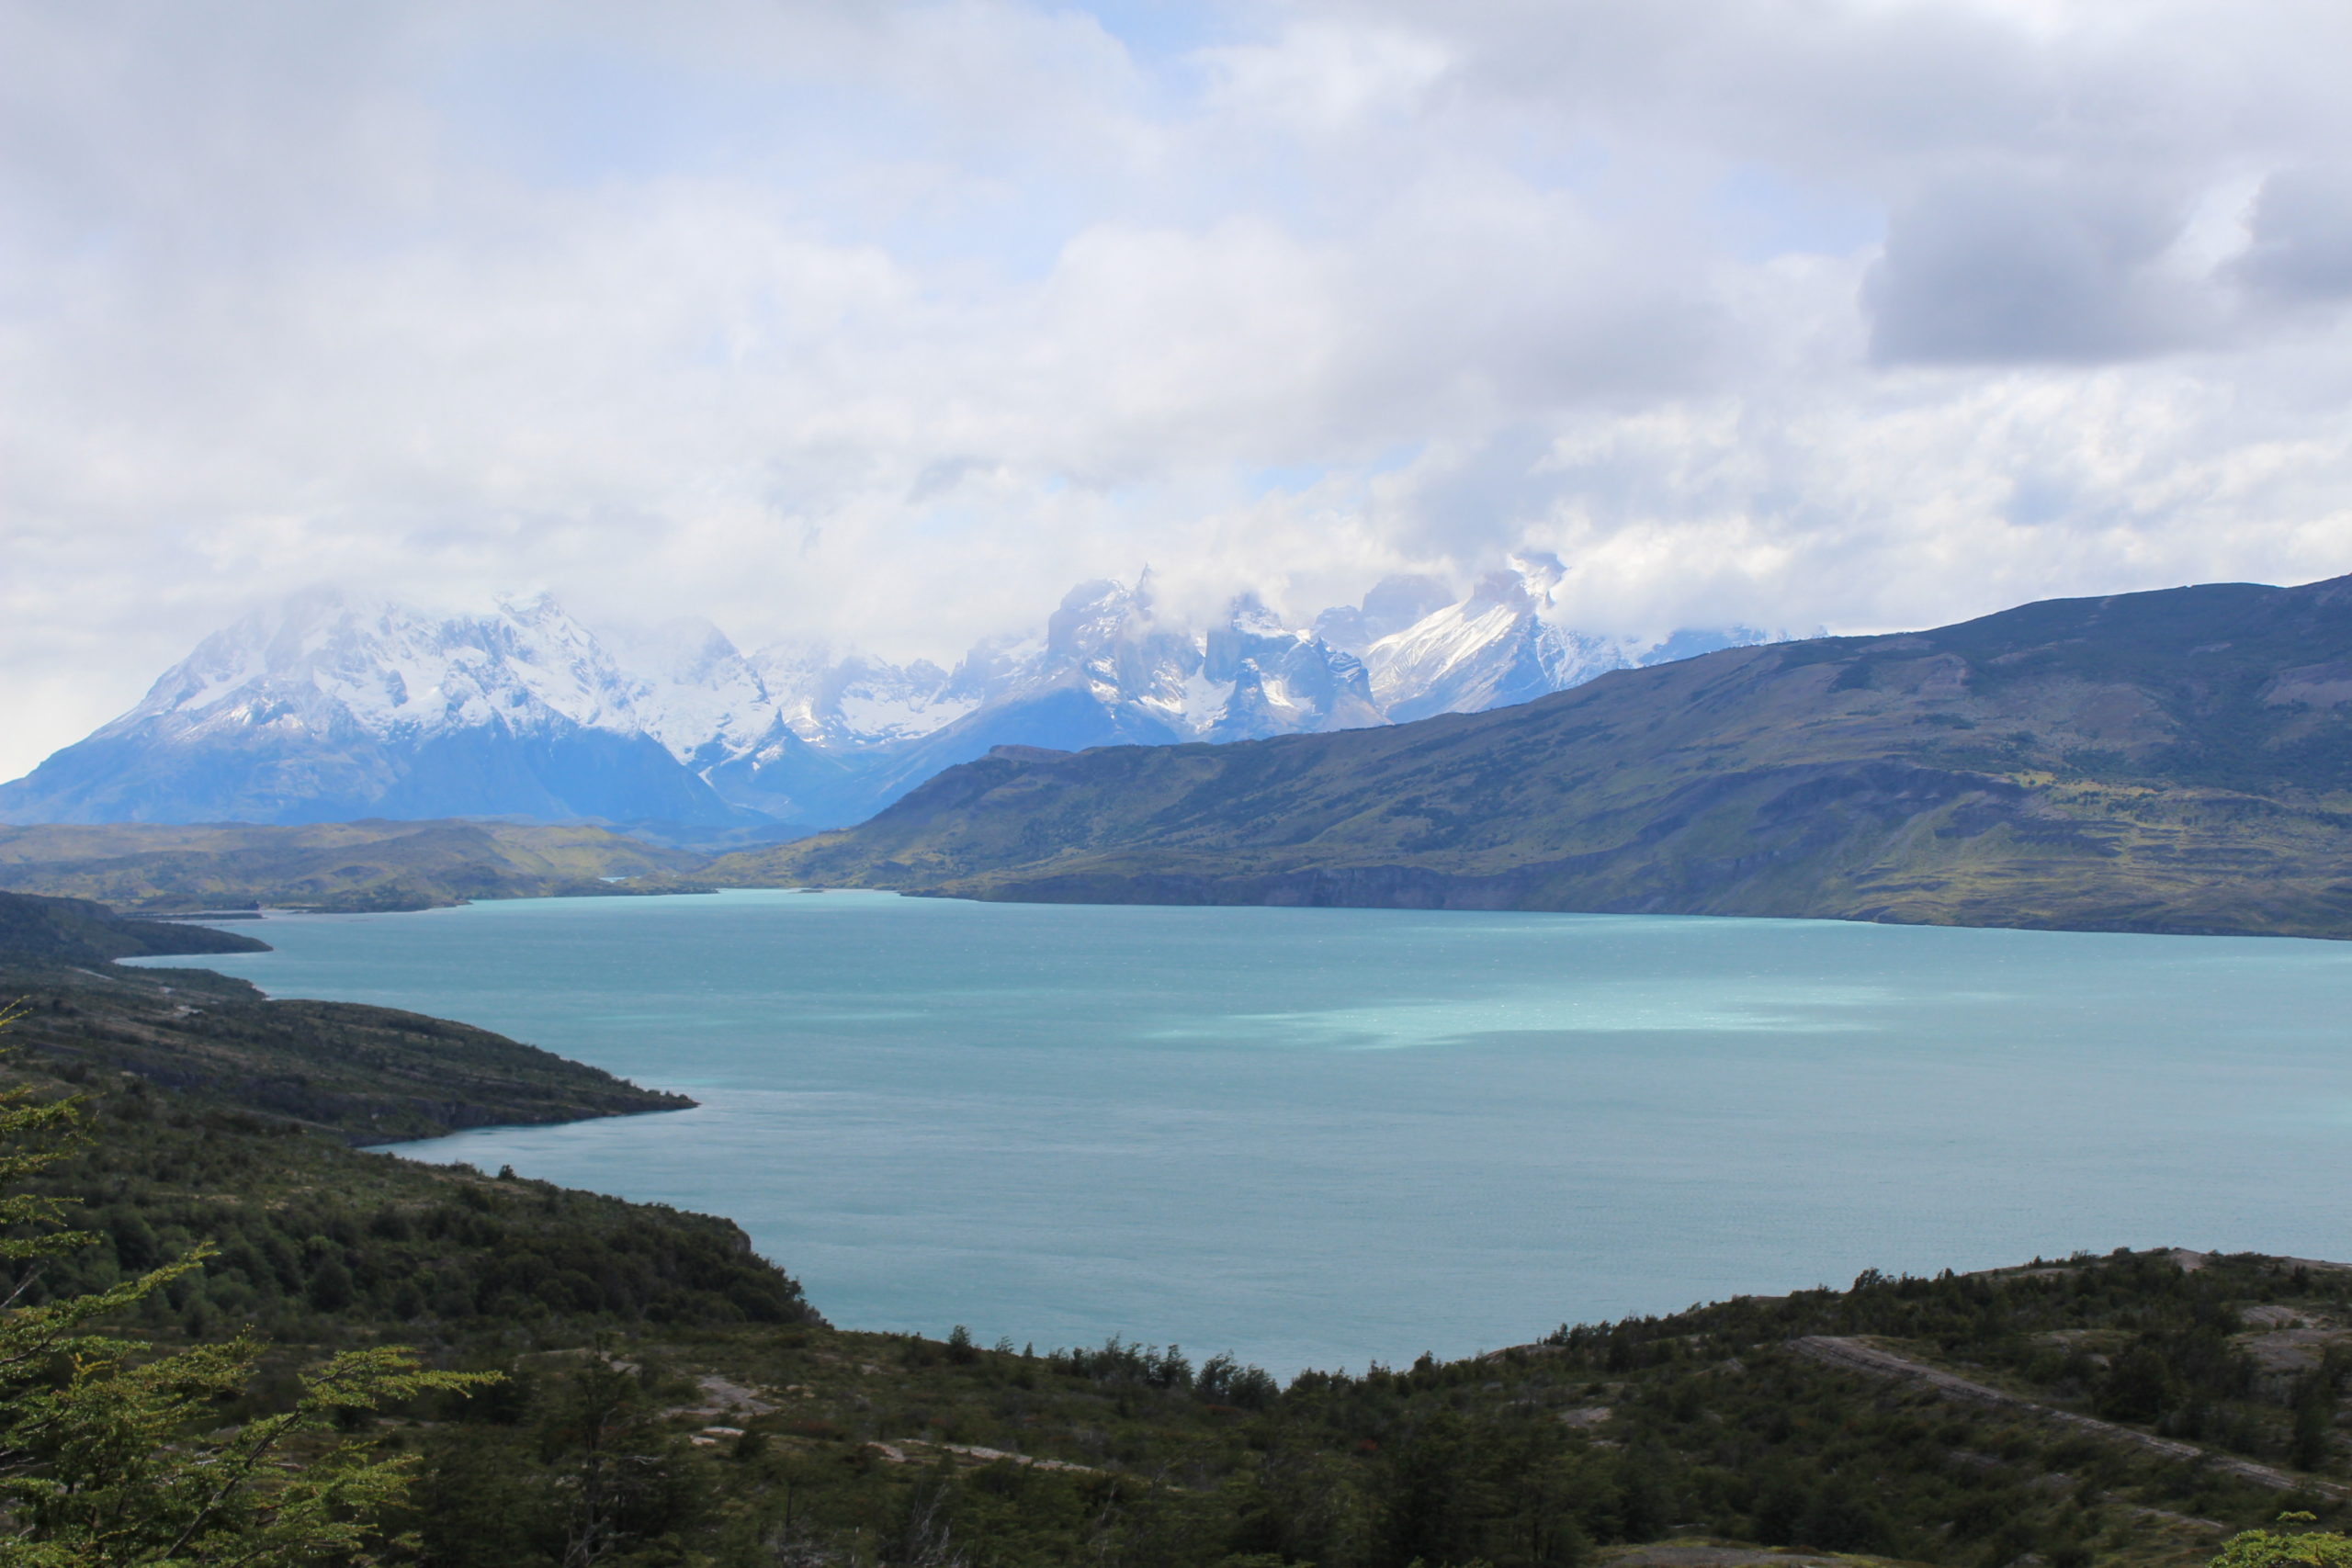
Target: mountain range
x,y
331,707
2174,761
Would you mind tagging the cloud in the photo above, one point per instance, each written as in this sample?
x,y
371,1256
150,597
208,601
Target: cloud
x,y
885,323
2006,265
2300,249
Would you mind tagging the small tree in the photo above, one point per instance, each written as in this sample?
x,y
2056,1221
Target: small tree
x,y
2287,1549
104,1461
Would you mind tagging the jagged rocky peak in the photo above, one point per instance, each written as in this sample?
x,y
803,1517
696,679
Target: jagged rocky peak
x,y
1248,632
1109,638
1247,615
1492,649
1503,644
993,664
1394,604
691,689
1526,583
1247,676
863,700
1093,616
1281,680
846,701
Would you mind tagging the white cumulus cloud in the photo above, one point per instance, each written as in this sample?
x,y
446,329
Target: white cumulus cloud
x,y
884,323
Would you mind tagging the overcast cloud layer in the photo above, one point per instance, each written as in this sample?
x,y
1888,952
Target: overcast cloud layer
x,y
887,323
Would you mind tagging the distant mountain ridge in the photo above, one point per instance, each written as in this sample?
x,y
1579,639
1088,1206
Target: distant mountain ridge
x,y
333,708
2175,761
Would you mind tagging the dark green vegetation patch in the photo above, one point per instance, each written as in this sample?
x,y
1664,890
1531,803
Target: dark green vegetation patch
x,y
314,1238
1721,1424
77,931
366,1074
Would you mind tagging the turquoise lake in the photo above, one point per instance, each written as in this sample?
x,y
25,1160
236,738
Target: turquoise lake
x,y
1330,1136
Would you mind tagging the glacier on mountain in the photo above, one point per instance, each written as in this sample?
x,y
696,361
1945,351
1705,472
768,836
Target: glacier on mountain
x,y
332,706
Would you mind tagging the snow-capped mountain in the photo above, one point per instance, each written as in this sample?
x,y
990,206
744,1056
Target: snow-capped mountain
x,y
714,709
1111,671
1394,604
690,688
849,701
1243,678
1501,646
332,706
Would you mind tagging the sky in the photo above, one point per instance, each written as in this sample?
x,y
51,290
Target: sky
x,y
886,323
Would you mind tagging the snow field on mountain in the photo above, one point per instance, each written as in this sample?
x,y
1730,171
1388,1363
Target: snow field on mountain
x,y
335,703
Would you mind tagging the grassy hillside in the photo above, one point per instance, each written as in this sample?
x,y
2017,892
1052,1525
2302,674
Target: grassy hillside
x,y
2180,761
363,1074
367,865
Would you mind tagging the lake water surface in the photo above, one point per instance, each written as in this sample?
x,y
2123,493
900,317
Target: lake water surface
x,y
1328,1136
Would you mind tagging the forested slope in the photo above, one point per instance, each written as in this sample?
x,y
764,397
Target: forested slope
x,y
366,1074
